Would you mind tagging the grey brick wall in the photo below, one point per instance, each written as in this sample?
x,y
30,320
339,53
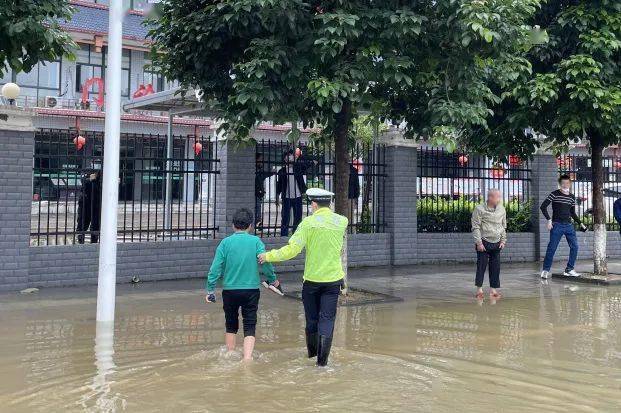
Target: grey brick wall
x,y
150,261
235,185
16,151
57,266
400,203
544,179
459,247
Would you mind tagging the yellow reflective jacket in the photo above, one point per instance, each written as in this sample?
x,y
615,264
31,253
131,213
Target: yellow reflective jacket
x,y
322,234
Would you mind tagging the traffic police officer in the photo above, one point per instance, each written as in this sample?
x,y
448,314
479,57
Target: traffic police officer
x,y
322,234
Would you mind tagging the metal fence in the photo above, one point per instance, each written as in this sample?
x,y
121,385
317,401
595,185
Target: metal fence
x,y
67,184
578,167
280,204
451,184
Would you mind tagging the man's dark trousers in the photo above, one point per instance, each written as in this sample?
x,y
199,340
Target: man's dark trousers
x,y
490,256
320,301
287,204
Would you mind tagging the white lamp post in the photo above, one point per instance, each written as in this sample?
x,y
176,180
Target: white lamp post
x,y
106,286
10,91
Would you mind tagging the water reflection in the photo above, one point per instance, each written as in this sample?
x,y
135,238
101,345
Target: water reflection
x,y
556,346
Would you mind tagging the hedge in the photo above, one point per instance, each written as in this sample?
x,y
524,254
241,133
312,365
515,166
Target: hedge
x,y
453,215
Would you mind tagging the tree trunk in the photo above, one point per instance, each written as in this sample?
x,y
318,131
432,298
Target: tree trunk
x,y
341,173
600,265
341,158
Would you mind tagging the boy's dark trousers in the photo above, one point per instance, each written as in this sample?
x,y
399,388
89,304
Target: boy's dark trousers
x,y
490,256
287,205
320,302
248,301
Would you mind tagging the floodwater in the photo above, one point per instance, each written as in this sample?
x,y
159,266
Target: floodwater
x,y
541,348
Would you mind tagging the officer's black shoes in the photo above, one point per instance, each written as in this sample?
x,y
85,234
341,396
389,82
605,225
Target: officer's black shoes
x,y
323,351
311,344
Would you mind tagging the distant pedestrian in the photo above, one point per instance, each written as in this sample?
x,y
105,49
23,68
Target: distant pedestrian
x,y
291,186
616,210
489,229
563,211
235,262
260,175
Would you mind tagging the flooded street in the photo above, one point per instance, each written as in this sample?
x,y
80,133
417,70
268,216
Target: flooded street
x,y
554,347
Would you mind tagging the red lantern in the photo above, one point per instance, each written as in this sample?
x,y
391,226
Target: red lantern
x,y
79,142
618,164
198,147
298,153
514,160
463,160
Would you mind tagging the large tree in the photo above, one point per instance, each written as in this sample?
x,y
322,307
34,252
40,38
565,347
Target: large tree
x,y
30,33
575,91
434,63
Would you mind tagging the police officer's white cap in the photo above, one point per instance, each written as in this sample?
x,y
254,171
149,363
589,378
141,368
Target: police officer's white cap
x,y
319,194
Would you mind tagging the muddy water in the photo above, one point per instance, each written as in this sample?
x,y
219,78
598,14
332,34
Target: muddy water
x,y
550,349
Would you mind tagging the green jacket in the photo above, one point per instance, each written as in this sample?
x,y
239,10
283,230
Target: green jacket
x,y
236,262
322,235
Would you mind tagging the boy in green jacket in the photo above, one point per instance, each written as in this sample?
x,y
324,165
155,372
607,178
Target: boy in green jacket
x,y
235,262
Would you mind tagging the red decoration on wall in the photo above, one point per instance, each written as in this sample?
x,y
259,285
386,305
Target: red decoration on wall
x,y
79,142
198,147
149,90
139,92
514,160
463,160
100,92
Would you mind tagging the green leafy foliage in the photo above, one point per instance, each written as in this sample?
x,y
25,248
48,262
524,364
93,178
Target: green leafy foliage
x,y
433,64
453,215
575,92
30,33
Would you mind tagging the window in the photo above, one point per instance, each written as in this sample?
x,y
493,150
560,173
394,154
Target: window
x,y
150,74
42,80
92,64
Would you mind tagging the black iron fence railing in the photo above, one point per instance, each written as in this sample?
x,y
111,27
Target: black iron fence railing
x,y
578,167
279,189
67,184
451,184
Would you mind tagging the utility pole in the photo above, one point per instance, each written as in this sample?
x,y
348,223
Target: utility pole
x,y
106,284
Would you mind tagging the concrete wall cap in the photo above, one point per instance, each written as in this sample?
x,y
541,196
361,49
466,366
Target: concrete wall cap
x,y
16,119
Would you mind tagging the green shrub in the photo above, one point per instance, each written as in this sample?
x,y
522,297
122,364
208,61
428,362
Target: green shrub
x,y
436,214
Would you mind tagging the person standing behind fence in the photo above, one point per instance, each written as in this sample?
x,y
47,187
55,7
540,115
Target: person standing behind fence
x,y
89,206
563,211
489,229
291,185
260,175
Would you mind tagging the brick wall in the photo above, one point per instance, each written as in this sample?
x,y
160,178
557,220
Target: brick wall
x,y
400,203
459,247
16,151
57,266
150,261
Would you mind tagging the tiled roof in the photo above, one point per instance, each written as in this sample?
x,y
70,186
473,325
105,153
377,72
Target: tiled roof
x,y
93,19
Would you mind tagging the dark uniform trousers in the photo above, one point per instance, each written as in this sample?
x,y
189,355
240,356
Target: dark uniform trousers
x,y
320,300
